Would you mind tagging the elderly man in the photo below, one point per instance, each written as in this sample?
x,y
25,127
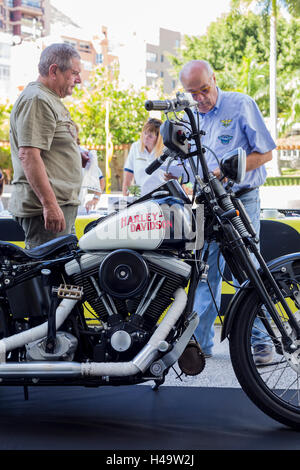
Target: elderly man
x,y
229,120
46,158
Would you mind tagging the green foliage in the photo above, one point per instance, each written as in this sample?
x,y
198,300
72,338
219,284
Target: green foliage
x,y
5,158
127,113
226,42
289,89
134,190
5,109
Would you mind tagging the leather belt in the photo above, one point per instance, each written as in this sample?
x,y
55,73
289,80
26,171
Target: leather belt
x,y
241,192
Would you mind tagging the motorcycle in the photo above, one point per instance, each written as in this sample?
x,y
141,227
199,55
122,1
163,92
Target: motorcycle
x,y
116,306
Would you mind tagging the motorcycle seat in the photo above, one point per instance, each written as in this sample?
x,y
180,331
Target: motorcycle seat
x,y
51,248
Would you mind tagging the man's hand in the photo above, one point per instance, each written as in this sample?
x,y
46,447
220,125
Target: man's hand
x,y
54,219
91,204
84,158
217,172
169,176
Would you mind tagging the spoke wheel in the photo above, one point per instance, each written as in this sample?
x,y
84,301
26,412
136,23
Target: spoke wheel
x,y
273,387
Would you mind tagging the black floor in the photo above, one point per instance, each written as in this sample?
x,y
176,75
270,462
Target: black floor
x,y
137,418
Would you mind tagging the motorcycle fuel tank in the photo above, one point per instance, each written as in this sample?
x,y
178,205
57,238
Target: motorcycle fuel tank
x,y
148,225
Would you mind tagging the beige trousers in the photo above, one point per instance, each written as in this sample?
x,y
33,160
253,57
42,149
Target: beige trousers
x,y
35,232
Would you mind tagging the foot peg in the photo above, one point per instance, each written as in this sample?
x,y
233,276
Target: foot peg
x,y
65,291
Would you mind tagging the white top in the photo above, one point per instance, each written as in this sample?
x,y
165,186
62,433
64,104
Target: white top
x,y
158,177
137,162
90,181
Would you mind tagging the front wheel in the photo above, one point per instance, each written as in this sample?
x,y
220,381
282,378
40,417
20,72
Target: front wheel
x,y
274,387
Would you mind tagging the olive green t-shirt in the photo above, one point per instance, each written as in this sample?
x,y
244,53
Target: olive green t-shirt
x,y
39,119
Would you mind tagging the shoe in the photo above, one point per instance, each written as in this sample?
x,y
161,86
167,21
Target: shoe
x,y
263,354
207,354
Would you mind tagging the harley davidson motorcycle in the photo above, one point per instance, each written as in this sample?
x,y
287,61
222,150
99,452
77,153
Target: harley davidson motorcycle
x,y
116,307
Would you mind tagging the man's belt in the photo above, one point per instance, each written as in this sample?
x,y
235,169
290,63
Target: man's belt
x,y
241,192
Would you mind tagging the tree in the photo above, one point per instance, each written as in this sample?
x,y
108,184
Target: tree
x,y
5,159
5,109
127,111
237,46
225,43
271,8
109,116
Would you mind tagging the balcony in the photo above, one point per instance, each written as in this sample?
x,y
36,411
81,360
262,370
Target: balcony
x,y
32,3
31,7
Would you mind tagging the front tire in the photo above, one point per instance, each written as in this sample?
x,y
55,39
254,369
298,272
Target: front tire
x,y
274,387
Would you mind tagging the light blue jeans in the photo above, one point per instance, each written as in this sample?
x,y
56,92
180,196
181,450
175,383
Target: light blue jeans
x,y
204,304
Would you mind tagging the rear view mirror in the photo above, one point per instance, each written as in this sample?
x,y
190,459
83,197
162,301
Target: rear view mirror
x,y
233,165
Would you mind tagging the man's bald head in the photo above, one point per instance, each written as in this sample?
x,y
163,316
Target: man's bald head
x,y
198,78
195,66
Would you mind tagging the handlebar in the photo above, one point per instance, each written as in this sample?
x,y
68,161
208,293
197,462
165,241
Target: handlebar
x,y
157,105
182,101
158,162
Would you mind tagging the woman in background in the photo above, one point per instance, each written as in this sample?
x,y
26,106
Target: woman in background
x,y
141,154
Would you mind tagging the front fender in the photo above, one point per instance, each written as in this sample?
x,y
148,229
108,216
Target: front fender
x,y
238,299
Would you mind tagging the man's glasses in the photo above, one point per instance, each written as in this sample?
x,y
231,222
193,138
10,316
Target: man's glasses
x,y
203,91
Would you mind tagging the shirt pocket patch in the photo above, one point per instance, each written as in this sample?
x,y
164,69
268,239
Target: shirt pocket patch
x,y
225,138
226,123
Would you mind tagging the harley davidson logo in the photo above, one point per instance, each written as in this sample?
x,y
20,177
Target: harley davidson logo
x,y
143,222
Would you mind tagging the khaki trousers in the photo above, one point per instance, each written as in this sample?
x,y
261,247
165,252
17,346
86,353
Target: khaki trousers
x,y
34,229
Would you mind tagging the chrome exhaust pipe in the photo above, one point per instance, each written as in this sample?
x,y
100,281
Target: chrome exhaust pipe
x,y
140,363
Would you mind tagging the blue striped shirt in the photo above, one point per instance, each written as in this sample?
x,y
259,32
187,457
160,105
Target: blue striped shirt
x,y
235,121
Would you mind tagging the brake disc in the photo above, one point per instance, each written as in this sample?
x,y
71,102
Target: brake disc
x,y
293,359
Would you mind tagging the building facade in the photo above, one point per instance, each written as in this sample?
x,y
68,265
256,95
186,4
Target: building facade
x,y
157,63
25,18
5,58
93,51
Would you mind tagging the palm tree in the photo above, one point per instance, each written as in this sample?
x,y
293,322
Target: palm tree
x,y
271,8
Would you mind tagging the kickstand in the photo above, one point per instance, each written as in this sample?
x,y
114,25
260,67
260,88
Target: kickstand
x,y
26,396
51,336
178,375
158,382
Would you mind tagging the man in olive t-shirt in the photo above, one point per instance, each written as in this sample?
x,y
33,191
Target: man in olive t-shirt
x,y
46,158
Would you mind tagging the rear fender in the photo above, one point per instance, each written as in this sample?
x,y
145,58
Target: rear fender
x,y
233,309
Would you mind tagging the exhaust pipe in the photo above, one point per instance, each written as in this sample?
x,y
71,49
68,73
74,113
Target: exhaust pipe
x,y
140,363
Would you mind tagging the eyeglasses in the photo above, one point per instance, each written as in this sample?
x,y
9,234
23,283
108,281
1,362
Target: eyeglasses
x,y
202,91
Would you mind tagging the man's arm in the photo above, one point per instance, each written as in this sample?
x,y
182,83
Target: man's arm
x,y
102,184
127,180
254,160
91,204
37,177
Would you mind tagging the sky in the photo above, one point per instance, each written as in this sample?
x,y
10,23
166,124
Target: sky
x,y
186,16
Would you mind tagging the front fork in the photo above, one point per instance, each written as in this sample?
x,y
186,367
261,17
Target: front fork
x,y
239,251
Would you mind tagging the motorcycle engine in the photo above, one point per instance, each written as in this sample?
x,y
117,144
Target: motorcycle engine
x,y
128,291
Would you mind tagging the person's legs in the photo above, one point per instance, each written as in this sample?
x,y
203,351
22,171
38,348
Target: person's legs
x,y
204,304
35,232
251,202
260,340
